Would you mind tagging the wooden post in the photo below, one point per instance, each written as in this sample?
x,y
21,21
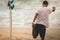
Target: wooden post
x,y
10,24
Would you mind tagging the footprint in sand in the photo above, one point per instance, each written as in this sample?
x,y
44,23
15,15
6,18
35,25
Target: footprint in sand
x,y
4,39
18,39
0,35
52,38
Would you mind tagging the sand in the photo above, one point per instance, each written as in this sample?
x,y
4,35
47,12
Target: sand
x,y
26,34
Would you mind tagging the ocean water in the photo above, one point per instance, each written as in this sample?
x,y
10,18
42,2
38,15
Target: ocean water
x,y
24,11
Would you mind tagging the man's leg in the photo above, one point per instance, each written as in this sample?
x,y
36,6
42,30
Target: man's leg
x,y
42,34
35,32
42,31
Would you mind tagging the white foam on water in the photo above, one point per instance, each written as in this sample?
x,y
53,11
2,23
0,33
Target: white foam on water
x,y
23,15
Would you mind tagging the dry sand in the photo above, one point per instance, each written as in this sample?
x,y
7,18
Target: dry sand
x,y
26,34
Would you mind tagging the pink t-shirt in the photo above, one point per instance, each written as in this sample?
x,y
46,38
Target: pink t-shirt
x,y
43,14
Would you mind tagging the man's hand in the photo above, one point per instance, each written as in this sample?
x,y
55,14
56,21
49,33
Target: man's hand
x,y
54,8
33,24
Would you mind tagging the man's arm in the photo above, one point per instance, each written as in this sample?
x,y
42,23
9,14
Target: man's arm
x,y
34,19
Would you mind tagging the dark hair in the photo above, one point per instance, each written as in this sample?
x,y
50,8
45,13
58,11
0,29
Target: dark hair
x,y
45,3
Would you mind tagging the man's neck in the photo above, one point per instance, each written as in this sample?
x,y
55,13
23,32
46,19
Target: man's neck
x,y
44,6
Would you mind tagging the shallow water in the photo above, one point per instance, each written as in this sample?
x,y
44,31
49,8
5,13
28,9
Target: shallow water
x,y
24,11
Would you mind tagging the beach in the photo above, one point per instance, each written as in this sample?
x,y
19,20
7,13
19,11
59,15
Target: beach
x,y
22,16
26,34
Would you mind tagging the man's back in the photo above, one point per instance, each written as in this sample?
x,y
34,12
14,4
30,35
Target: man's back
x,y
43,13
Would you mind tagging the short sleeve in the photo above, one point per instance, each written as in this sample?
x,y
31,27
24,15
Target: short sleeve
x,y
38,11
50,11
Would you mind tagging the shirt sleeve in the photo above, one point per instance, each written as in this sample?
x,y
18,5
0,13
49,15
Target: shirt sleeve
x,y
37,12
50,11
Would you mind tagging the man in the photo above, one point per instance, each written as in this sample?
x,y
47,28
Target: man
x,y
42,20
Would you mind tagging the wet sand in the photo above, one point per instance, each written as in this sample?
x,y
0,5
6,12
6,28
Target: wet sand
x,y
26,34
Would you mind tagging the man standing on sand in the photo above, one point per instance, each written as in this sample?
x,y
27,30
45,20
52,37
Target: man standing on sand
x,y
42,20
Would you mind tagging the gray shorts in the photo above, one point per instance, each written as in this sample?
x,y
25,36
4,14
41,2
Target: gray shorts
x,y
39,29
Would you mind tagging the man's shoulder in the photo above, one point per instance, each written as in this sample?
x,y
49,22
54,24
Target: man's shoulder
x,y
43,8
49,8
39,8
